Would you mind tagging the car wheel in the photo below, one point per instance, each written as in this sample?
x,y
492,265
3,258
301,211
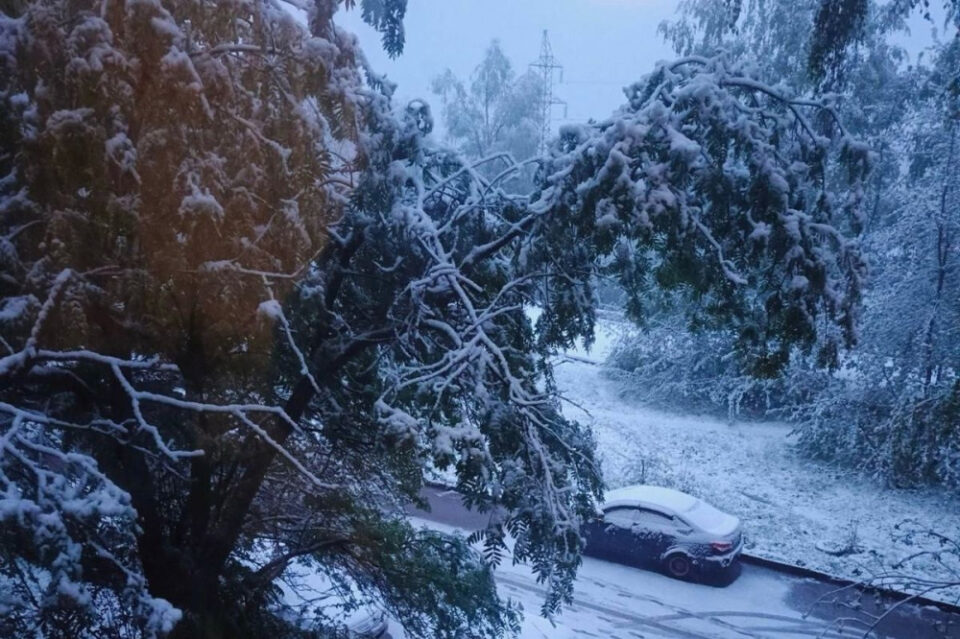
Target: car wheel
x,y
679,566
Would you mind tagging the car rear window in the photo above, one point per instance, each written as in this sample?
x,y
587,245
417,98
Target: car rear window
x,y
707,517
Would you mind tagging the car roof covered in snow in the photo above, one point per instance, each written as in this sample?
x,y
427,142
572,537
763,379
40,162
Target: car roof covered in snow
x,y
657,497
674,502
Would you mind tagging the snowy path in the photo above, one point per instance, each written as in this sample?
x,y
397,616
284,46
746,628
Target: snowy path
x,y
794,510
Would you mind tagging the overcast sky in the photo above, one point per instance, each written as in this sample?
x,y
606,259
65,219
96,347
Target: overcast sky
x,y
603,45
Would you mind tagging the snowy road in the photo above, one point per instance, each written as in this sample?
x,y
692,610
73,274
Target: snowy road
x,y
622,602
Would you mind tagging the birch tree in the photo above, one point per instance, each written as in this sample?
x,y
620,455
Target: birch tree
x,y
496,112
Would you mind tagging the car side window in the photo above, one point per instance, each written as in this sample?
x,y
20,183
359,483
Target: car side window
x,y
621,517
655,520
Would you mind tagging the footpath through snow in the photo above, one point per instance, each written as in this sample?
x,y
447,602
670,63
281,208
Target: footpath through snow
x,y
794,510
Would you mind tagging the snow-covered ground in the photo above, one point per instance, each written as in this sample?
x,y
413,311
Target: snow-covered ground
x,y
794,510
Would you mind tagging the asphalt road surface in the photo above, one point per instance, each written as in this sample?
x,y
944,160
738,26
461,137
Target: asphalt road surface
x,y
622,602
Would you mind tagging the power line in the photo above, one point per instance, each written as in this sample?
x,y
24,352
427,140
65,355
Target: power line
x,y
547,67
613,82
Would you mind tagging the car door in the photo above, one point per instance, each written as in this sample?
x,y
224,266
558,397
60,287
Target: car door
x,y
654,533
612,536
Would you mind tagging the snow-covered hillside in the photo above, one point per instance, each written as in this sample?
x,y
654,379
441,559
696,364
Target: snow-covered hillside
x,y
795,510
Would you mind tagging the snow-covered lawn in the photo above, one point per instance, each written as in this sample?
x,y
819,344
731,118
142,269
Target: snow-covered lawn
x,y
794,510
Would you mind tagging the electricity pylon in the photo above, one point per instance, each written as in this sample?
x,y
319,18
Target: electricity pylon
x,y
547,68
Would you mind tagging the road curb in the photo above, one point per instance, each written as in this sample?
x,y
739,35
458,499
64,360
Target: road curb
x,y
809,573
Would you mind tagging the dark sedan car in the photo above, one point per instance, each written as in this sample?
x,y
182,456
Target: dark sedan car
x,y
663,528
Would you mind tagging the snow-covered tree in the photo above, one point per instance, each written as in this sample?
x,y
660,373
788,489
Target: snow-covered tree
x,y
496,112
686,172
841,25
891,409
814,38
173,170
691,364
898,415
247,309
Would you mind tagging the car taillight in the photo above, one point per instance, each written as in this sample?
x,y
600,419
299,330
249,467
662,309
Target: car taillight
x,y
721,546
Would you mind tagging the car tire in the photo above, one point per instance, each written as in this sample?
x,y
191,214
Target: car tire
x,y
678,566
